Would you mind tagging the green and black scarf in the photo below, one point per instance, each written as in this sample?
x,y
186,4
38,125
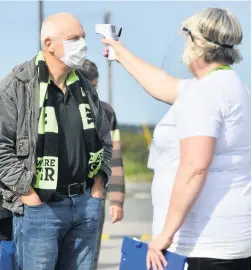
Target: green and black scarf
x,y
48,143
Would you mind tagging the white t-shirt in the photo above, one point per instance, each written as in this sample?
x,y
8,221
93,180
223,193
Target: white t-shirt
x,y
218,225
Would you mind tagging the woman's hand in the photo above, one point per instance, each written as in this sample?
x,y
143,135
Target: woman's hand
x,y
116,45
155,257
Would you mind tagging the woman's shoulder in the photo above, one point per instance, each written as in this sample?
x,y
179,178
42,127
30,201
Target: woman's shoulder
x,y
185,84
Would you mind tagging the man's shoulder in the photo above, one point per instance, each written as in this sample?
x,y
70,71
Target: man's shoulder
x,y
20,73
26,71
107,107
110,113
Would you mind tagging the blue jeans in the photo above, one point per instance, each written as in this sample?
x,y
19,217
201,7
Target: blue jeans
x,y
59,235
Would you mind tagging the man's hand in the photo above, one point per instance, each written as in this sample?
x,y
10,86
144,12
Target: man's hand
x,y
116,213
98,190
31,199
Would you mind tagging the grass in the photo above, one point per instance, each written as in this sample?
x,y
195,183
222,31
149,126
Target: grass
x,y
136,171
135,156
145,178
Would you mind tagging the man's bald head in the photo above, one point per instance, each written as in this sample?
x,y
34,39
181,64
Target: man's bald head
x,y
59,27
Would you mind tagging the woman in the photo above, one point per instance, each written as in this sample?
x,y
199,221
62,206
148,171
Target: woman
x,y
201,148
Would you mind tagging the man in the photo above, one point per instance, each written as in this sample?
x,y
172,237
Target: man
x,y
116,187
55,152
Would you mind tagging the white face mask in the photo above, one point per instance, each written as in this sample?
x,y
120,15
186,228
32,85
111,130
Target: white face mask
x,y
74,53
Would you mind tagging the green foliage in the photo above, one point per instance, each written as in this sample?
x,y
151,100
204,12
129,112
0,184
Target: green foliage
x,y
135,154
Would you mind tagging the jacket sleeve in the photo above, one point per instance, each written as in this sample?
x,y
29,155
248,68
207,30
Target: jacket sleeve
x,y
116,187
13,173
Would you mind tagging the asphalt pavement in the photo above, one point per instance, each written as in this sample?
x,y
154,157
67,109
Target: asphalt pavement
x,y
136,223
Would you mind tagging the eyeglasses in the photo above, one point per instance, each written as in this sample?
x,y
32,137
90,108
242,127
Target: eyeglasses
x,y
188,32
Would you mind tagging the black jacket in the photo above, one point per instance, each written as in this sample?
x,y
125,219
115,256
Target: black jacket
x,y
4,213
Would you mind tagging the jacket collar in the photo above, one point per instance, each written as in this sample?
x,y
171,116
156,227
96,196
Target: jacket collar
x,y
26,71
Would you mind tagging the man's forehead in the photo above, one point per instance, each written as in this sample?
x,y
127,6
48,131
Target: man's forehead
x,y
72,31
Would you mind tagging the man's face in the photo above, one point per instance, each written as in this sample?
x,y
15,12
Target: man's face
x,y
94,82
66,31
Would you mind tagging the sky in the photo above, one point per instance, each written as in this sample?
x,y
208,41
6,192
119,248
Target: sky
x,y
151,30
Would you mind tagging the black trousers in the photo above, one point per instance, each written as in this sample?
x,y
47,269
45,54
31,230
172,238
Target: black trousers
x,y
6,229
216,264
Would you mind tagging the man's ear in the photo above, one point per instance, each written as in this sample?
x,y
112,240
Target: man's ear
x,y
48,45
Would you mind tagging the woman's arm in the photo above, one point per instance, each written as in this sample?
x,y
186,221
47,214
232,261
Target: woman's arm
x,y
155,81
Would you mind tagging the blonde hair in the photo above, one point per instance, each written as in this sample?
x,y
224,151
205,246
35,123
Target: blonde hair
x,y
216,33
